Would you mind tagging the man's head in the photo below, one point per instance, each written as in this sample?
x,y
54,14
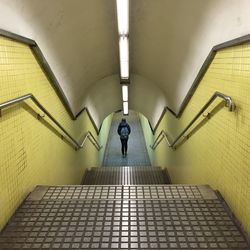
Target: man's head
x,y
123,120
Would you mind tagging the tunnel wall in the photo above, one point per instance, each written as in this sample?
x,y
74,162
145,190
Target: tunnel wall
x,y
218,152
103,136
31,152
148,135
105,97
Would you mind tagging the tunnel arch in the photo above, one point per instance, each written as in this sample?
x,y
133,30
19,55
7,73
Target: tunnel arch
x,y
104,97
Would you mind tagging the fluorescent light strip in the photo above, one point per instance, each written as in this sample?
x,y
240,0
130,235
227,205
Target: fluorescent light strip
x,y
124,93
124,57
125,108
122,16
123,46
124,70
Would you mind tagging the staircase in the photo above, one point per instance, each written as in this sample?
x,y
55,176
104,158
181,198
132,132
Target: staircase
x,y
121,208
126,176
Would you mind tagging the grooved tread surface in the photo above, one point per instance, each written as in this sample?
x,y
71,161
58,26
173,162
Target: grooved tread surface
x,y
122,217
126,176
116,192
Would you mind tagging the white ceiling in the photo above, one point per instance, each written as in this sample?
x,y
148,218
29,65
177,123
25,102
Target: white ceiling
x,y
169,41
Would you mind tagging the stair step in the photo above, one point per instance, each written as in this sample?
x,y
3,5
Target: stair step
x,y
123,217
116,192
138,192
125,176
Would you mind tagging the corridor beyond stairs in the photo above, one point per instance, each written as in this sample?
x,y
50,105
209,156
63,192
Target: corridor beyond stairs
x,y
129,214
137,151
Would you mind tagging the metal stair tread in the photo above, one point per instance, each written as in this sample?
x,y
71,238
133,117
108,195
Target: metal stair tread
x,y
125,176
119,192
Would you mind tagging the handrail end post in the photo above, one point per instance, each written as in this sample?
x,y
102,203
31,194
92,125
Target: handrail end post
x,y
230,104
232,107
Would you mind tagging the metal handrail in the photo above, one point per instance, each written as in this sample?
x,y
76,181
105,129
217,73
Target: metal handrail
x,y
77,145
229,103
92,139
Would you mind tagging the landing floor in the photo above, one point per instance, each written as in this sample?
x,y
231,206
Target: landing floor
x,y
139,217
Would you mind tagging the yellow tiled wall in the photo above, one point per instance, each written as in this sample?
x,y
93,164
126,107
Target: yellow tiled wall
x,y
103,136
148,135
30,152
218,153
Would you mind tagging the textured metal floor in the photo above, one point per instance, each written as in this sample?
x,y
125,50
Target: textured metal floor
x,y
137,151
126,176
122,217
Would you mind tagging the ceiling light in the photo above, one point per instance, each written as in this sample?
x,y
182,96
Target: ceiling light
x,y
122,16
123,46
124,57
125,93
125,108
124,70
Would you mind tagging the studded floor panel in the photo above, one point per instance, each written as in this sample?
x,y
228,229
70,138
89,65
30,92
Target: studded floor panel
x,y
126,176
122,217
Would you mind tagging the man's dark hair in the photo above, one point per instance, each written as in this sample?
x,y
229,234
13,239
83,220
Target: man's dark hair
x,y
123,120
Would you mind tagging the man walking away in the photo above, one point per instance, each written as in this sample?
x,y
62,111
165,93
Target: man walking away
x,y
124,131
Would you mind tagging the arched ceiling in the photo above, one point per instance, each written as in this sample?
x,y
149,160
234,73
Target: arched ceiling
x,y
104,97
169,41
